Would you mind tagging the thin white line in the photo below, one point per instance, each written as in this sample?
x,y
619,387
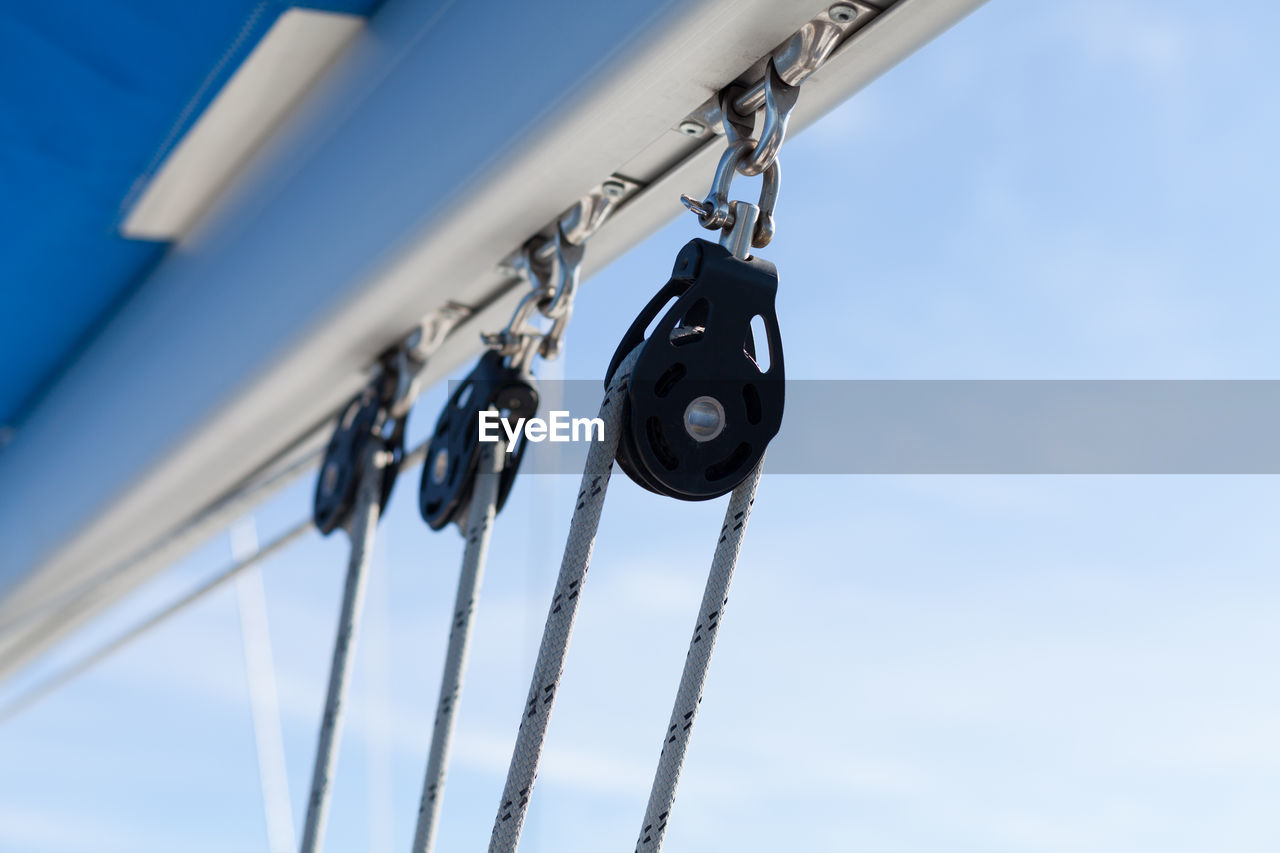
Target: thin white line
x,y
251,599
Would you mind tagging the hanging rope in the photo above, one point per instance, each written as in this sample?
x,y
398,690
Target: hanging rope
x,y
480,517
502,381
700,394
364,522
559,625
714,598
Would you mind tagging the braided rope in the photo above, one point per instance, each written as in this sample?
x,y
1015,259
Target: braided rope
x,y
694,678
523,769
480,517
364,523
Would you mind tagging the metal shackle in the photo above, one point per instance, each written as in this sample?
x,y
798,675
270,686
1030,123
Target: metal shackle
x,y
714,212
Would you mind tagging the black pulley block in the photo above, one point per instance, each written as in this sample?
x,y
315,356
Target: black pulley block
x,y
454,451
362,421
700,411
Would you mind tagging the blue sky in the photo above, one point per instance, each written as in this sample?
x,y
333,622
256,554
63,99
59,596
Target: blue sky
x,y
1080,190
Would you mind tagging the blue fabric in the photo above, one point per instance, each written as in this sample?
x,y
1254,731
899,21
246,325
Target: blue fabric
x,y
93,94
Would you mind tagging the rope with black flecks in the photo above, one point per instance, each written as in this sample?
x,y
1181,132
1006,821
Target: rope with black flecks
x,y
483,508
364,523
559,626
689,695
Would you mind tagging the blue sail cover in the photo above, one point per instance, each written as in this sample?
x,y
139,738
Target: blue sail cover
x,y
93,95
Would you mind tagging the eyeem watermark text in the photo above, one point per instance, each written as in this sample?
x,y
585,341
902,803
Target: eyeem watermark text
x,y
558,427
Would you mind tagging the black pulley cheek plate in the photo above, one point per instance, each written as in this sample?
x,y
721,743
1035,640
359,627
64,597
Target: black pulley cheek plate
x,y
454,450
700,411
341,469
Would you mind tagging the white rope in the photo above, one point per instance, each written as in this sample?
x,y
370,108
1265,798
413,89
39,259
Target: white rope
x,y
559,625
480,517
714,598
364,522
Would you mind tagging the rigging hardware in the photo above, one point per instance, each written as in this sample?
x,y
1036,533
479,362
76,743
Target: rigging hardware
x,y
716,211
410,356
503,377
364,425
378,413
705,341
700,411
453,454
359,470
688,412
779,100
703,404
467,482
795,60
551,265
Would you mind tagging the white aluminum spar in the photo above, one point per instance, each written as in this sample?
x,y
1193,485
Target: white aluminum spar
x,y
484,501
130,520
364,523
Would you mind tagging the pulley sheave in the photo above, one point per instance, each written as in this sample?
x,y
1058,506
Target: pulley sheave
x,y
700,411
364,419
448,474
